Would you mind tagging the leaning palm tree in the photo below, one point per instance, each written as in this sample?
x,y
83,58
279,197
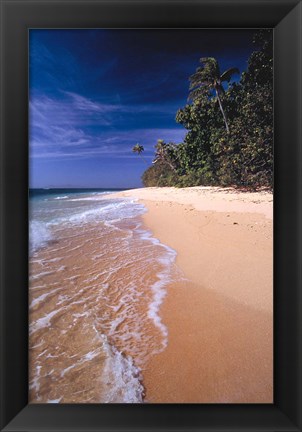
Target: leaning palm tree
x,y
138,149
162,154
208,77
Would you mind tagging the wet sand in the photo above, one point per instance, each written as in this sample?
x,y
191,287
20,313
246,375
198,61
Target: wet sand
x,y
220,319
91,293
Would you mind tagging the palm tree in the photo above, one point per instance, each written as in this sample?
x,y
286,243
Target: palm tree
x,y
138,149
162,155
208,77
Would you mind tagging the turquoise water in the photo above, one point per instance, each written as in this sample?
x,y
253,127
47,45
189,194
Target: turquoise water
x,y
50,207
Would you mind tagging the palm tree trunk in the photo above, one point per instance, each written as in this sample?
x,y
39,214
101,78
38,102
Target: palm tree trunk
x,y
143,159
223,113
163,160
171,165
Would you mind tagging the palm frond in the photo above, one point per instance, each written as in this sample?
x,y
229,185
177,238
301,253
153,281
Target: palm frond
x,y
201,74
227,75
211,64
200,83
197,93
138,149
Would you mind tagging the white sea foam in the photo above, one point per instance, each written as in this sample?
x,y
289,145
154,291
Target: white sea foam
x,y
96,197
61,197
159,287
46,261
122,377
91,355
112,212
38,275
64,371
43,297
46,273
54,400
108,212
45,321
39,235
35,384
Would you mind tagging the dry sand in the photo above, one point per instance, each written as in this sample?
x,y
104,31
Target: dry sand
x,y
220,317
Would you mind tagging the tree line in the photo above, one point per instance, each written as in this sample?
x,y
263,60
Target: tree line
x,y
229,139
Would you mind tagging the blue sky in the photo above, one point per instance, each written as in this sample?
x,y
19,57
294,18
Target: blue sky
x,y
96,93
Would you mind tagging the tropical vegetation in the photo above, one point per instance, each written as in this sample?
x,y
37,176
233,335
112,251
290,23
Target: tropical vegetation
x,y
139,149
229,138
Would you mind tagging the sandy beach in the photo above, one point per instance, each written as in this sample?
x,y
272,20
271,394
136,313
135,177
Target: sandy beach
x,y
220,315
156,295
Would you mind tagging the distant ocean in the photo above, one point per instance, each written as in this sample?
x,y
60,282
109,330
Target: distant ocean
x,y
97,281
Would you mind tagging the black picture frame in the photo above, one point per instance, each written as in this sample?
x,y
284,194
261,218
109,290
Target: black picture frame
x,y
17,16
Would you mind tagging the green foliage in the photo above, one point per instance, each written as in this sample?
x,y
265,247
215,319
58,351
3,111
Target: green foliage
x,y
165,154
159,175
208,78
138,149
212,153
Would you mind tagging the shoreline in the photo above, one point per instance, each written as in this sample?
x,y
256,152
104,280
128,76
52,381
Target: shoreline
x,y
221,351
89,312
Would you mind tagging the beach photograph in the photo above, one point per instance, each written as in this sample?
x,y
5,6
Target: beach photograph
x,y
151,216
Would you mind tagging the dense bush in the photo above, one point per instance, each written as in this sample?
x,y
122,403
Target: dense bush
x,y
159,175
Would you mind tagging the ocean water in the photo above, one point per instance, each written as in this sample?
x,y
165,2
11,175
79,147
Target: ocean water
x,y
97,279
46,209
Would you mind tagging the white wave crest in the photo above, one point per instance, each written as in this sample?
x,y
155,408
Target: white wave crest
x,y
39,235
110,212
61,197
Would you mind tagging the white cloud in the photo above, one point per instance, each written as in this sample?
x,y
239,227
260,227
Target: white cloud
x,y
78,127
